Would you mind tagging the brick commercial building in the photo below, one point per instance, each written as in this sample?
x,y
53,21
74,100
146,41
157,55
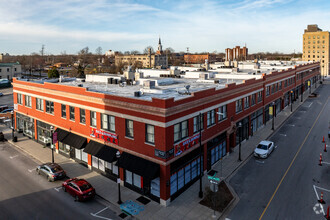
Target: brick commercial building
x,y
316,47
156,128
199,58
236,53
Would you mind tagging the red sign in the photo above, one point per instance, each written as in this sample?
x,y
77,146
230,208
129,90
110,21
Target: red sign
x,y
185,145
104,135
55,137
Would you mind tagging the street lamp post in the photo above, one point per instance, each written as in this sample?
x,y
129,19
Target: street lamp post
x,y
239,146
118,178
291,99
273,105
302,83
12,125
200,194
52,142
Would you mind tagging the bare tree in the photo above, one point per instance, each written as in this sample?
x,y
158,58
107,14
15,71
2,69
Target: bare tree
x,y
98,51
135,52
145,51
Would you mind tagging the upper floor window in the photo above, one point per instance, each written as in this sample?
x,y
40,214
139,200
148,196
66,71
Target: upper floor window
x,y
280,86
63,111
267,90
72,115
93,118
222,113
19,98
198,122
259,96
39,104
239,105
108,122
253,99
49,107
129,128
246,102
82,116
273,89
150,134
180,131
210,118
27,101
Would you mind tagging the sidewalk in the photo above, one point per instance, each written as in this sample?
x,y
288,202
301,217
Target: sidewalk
x,y
186,206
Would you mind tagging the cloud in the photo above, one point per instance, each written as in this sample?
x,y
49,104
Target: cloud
x,y
265,25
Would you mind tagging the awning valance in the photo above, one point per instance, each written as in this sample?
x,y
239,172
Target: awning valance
x,y
75,141
61,134
101,151
140,166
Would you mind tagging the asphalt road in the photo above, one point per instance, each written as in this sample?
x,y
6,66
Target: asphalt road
x,y
7,98
26,195
287,184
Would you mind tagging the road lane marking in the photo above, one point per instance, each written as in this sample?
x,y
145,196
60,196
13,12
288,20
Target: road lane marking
x,y
294,158
310,105
283,135
31,170
58,188
317,196
291,125
259,161
97,216
12,157
325,163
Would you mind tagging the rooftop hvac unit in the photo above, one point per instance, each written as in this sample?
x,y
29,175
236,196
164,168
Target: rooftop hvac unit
x,y
110,80
137,94
80,85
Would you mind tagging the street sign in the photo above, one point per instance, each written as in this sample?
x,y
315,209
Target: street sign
x,y
213,178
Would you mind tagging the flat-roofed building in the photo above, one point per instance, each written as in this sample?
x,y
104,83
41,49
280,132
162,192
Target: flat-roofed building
x,y
316,47
155,122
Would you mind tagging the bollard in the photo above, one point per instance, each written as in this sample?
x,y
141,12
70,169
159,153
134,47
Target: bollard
x,y
327,216
320,163
325,147
321,199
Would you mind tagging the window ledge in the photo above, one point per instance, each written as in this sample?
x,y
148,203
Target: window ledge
x,y
151,144
131,138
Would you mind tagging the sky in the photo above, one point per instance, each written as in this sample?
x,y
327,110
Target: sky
x,y
67,26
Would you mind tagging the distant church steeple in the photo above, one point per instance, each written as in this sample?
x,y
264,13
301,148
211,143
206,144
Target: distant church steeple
x,y
160,49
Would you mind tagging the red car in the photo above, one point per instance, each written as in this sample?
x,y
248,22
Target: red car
x,y
80,189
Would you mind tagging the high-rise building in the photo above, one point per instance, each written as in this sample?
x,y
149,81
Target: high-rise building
x,y
316,47
236,53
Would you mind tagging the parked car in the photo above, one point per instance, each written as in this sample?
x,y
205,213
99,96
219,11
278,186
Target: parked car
x,y
7,110
1,94
52,171
3,107
264,149
80,189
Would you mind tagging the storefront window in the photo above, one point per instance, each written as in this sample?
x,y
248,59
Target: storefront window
x,y
184,175
43,131
64,148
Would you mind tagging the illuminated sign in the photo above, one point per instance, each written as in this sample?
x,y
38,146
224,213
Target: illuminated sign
x,y
185,145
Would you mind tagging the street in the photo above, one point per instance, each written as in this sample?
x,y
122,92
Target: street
x,y
287,185
26,195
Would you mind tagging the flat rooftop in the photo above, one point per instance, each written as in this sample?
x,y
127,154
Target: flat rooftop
x,y
165,88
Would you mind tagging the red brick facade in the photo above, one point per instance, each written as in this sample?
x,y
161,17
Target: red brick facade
x,y
163,115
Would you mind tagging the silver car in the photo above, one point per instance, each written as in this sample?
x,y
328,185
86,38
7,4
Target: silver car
x,y
52,171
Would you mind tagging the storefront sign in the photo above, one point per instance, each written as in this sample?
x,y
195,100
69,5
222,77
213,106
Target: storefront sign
x,y
164,154
185,145
104,135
